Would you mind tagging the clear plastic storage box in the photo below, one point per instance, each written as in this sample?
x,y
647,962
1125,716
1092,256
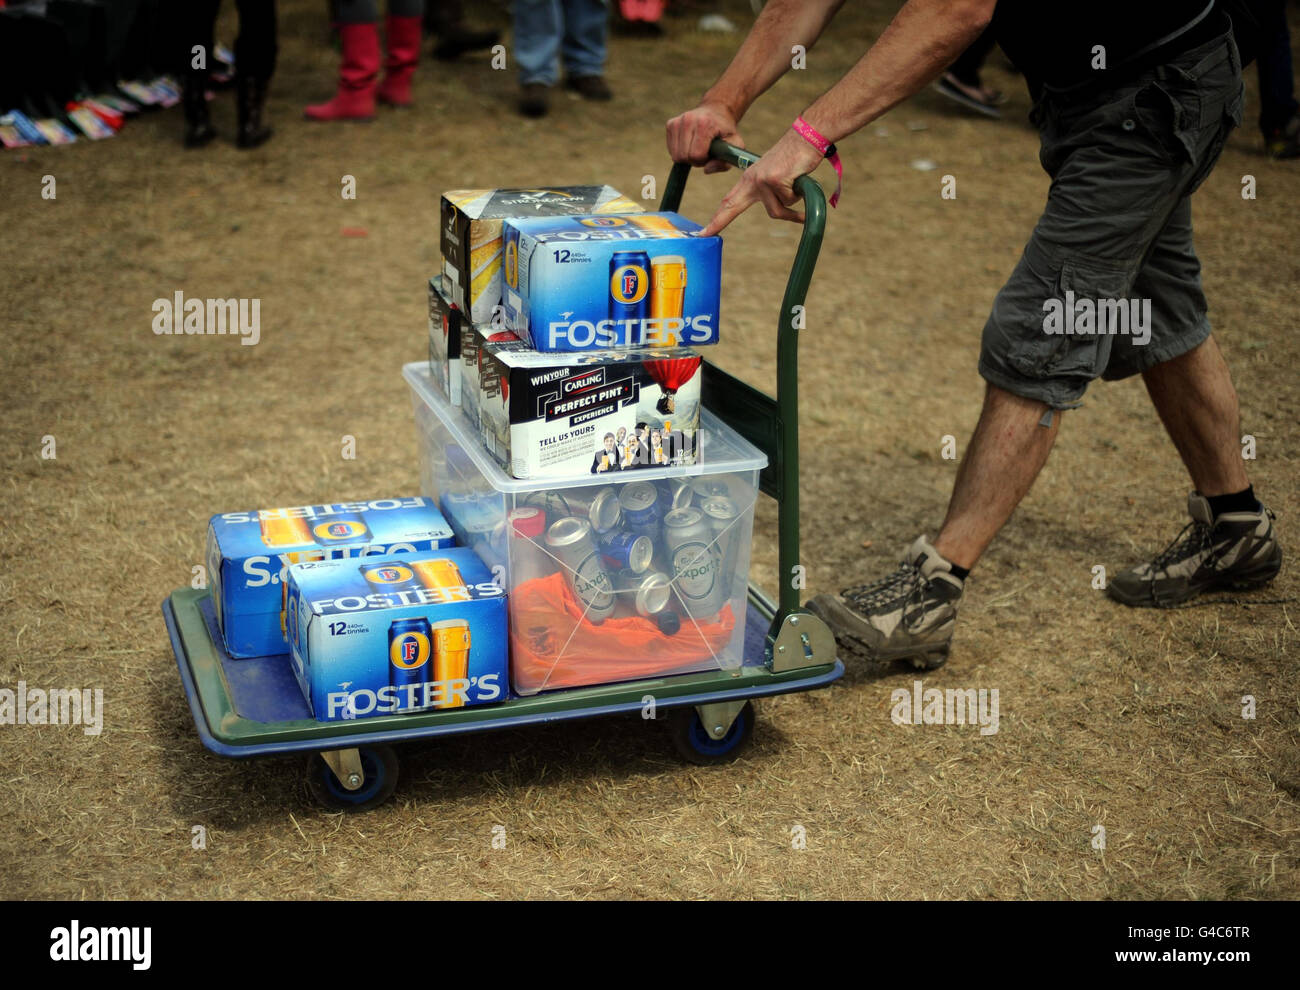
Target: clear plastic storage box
x,y
617,576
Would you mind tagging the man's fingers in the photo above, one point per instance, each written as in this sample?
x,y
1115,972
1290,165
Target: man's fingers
x,y
701,139
673,130
733,205
776,209
715,166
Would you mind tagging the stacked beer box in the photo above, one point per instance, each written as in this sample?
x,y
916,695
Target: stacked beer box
x,y
564,327
566,318
372,604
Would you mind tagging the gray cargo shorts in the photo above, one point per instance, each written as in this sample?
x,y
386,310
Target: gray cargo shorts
x,y
1109,284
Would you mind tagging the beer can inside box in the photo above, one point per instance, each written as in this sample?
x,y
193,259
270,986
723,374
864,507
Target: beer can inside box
x,y
598,282
551,415
444,341
249,554
397,635
471,237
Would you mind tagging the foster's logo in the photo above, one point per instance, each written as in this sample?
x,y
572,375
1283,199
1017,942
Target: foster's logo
x,y
339,529
409,650
628,284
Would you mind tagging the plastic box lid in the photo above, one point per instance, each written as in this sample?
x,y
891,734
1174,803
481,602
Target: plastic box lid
x,y
722,449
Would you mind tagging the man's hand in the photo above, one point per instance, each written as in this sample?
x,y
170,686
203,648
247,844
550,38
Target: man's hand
x,y
691,133
771,182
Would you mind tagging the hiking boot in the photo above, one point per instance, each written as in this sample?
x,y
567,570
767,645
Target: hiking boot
x,y
907,616
1236,550
534,100
589,87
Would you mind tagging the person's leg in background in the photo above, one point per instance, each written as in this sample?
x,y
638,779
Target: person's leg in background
x,y
402,40
586,26
256,49
962,84
358,66
1279,114
446,20
539,25
200,21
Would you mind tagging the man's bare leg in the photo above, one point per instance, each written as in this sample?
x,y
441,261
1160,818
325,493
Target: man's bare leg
x,y
1198,405
910,614
1232,544
1007,450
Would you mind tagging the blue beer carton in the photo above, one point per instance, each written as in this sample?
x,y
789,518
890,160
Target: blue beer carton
x,y
248,554
395,635
598,282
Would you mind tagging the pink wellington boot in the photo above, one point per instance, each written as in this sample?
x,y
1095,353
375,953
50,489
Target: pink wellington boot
x,y
358,71
403,53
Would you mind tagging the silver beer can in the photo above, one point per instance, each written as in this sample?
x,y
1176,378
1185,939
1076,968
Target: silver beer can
x,y
722,516
599,506
695,561
569,539
649,592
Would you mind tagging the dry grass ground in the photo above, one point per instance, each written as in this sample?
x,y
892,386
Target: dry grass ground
x,y
1131,720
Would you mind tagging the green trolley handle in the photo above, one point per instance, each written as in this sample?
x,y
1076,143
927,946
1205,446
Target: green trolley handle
x,y
796,638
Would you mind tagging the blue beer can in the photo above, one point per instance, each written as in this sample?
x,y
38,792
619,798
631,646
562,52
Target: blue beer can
x,y
629,292
626,550
410,651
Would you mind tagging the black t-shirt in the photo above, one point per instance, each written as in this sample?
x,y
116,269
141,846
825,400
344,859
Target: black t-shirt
x,y
1053,41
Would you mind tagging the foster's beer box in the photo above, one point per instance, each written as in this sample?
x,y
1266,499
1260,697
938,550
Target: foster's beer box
x,y
471,234
395,635
600,282
249,553
554,415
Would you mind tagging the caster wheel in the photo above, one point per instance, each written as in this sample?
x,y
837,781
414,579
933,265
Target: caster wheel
x,y
378,763
694,745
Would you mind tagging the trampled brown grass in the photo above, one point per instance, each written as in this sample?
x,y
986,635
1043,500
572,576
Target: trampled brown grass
x,y
1127,719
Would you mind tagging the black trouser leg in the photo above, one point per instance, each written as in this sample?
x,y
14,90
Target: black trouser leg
x,y
255,53
257,46
201,18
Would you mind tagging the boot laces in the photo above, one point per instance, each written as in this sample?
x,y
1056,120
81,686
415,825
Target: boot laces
x,y
1194,538
887,592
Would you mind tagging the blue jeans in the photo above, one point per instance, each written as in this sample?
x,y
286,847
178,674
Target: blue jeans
x,y
573,29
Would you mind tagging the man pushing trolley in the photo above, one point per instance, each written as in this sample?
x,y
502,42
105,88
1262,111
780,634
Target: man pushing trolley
x,y
1126,142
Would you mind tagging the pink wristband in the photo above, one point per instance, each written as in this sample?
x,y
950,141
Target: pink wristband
x,y
827,150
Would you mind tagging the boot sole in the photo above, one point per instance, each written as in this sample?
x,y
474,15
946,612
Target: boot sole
x,y
1244,582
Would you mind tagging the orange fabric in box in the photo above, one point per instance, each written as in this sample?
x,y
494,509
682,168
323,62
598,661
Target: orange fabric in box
x,y
546,654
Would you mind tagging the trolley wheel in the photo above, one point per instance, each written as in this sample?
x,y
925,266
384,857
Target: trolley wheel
x,y
378,763
695,745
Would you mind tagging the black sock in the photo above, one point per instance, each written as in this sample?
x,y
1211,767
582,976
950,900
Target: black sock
x,y
960,573
1242,501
